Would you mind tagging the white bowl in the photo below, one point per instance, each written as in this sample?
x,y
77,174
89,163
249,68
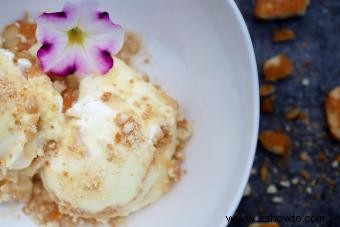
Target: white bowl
x,y
201,54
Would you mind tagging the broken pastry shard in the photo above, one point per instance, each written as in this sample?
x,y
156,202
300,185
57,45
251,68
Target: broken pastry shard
x,y
278,67
268,224
333,112
264,172
266,90
267,105
275,142
283,35
280,9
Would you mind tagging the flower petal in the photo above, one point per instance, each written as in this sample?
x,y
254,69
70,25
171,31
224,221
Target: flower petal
x,y
52,50
111,41
64,62
93,60
99,28
74,60
61,21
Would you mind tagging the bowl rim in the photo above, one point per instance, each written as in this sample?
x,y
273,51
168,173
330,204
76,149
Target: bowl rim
x,y
256,116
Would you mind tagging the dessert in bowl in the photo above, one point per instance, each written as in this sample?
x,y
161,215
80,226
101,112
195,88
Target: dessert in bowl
x,y
112,149
107,155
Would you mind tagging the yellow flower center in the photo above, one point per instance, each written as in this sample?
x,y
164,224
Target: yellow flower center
x,y
76,36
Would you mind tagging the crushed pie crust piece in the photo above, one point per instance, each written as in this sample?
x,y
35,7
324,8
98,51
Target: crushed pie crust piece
x,y
264,172
296,114
275,142
268,224
267,105
266,90
280,9
332,106
277,68
283,35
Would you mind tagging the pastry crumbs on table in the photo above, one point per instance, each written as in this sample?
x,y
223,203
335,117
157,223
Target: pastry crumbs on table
x,y
292,114
267,224
337,158
266,90
332,106
277,199
247,190
305,175
266,105
296,114
263,172
277,68
280,9
275,142
283,35
305,158
271,189
284,183
332,183
321,157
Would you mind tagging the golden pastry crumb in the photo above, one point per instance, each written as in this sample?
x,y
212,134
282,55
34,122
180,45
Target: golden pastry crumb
x,y
267,224
106,96
267,105
266,90
280,9
264,172
283,35
297,114
15,188
332,106
19,35
277,68
275,142
131,47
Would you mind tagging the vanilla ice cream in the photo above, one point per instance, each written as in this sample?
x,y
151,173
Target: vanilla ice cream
x,y
115,155
25,105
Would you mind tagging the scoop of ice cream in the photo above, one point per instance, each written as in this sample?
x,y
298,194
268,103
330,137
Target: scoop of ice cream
x,y
25,104
115,153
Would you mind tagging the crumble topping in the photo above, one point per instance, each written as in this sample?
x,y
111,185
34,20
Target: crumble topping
x,y
69,97
132,45
130,131
50,146
163,137
31,105
106,96
20,35
15,187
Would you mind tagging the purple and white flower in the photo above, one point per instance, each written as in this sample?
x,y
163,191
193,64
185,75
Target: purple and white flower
x,y
78,40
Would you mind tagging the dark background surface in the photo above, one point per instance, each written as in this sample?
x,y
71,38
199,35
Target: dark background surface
x,y
316,56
